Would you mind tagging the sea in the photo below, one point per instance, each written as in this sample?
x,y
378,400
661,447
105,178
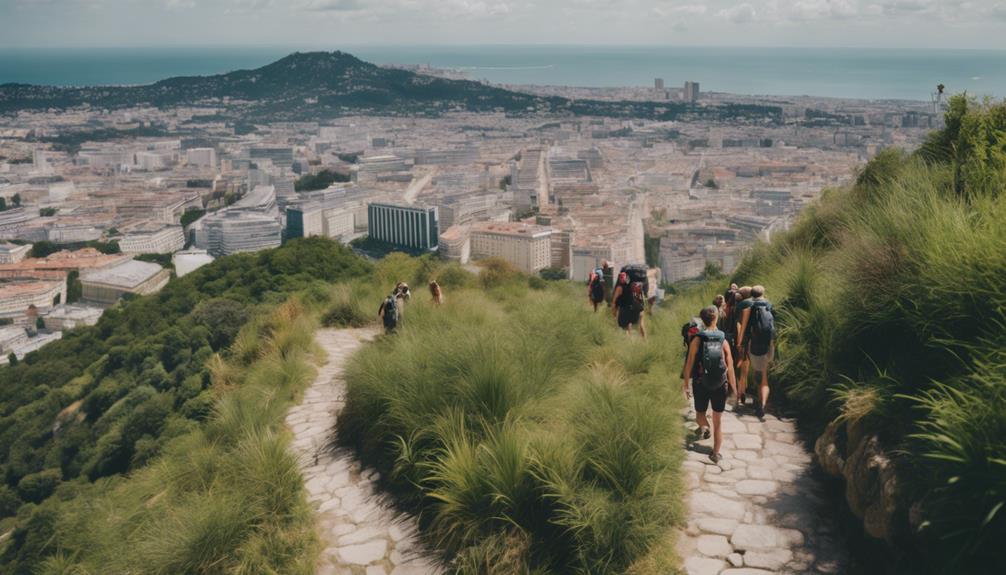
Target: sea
x,y
861,73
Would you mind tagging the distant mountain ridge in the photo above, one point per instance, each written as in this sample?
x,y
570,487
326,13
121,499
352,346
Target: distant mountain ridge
x,y
316,85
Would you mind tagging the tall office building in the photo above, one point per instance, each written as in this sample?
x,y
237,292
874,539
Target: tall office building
x,y
691,92
411,227
658,84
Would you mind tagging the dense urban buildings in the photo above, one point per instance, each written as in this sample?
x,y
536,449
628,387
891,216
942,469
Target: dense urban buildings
x,y
541,191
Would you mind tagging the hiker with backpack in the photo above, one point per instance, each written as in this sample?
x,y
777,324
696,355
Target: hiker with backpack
x,y
436,293
389,313
608,277
708,369
595,288
742,302
757,331
629,299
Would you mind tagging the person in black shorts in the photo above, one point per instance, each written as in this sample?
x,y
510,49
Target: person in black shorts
x,y
694,387
621,307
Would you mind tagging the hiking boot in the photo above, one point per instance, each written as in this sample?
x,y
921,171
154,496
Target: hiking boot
x,y
759,410
702,432
742,399
715,457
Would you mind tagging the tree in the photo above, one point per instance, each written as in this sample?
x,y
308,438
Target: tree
x,y
47,212
223,318
43,249
12,359
39,323
553,274
16,200
3,204
712,271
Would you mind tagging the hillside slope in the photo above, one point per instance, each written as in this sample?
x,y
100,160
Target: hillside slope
x,y
316,85
892,318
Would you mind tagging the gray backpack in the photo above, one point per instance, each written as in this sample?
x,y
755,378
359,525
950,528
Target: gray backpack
x,y
712,364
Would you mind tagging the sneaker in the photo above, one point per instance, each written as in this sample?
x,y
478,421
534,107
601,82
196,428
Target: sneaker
x,y
743,399
715,457
759,410
702,432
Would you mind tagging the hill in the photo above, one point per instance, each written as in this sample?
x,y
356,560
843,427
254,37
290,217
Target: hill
x,y
317,85
101,432
891,318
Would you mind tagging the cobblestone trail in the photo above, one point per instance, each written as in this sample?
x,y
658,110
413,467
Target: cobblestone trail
x,y
360,535
759,511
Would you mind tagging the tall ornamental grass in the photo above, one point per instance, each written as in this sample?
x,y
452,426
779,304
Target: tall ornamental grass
x,y
527,433
892,313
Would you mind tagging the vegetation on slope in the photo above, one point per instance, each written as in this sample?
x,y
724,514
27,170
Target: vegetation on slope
x,y
892,316
527,433
122,396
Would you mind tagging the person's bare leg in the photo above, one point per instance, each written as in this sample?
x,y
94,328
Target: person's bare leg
x,y
742,381
702,419
717,431
642,328
763,389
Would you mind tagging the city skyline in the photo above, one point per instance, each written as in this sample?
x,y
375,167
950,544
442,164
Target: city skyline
x,y
807,23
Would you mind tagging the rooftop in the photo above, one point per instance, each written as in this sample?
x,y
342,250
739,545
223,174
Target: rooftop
x,y
128,274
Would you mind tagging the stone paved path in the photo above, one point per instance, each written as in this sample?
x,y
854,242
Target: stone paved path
x,y
360,535
761,510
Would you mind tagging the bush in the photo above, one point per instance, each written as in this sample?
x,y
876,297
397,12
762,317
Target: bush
x,y
891,314
38,486
527,434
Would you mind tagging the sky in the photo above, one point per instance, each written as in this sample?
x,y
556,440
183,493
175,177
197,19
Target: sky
x,y
944,24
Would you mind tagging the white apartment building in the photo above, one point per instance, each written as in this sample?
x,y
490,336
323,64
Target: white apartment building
x,y
166,240
202,157
527,247
235,232
12,253
16,297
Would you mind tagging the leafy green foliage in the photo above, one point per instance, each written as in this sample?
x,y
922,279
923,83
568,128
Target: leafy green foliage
x,y
891,315
107,399
319,181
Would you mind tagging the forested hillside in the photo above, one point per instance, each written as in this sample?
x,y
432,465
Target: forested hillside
x,y
109,399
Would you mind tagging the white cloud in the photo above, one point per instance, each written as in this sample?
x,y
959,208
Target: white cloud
x,y
739,14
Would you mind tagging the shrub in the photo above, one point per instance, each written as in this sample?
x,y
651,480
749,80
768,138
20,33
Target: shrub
x,y
526,433
38,486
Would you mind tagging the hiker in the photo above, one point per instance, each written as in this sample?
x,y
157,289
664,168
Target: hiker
x,y
727,322
709,368
402,296
436,292
595,288
389,313
608,274
742,302
628,302
757,332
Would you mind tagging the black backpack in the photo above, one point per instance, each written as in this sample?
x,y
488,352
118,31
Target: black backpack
x,y
712,364
761,326
390,313
597,288
637,273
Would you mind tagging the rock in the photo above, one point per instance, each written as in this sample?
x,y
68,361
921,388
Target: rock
x,y
827,453
747,441
764,537
746,571
360,535
756,487
714,545
772,560
717,525
735,559
376,570
759,473
364,553
871,488
702,566
746,455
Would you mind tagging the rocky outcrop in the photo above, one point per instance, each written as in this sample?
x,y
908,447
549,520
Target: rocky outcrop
x,y
871,484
